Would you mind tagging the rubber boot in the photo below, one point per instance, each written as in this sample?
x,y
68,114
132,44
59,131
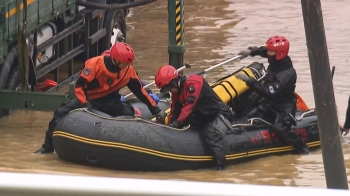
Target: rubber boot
x,y
301,147
46,148
220,163
220,168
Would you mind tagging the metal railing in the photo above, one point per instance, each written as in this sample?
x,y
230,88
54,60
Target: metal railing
x,y
12,184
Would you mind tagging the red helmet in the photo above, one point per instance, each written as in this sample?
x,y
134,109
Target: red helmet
x,y
164,76
122,52
279,44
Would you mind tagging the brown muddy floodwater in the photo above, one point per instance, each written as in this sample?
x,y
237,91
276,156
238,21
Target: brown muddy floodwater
x,y
214,30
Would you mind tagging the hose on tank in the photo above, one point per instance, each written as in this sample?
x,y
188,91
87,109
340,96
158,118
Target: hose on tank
x,y
114,5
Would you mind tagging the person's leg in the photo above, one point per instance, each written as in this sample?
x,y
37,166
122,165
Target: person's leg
x,y
261,111
282,128
214,134
117,109
47,147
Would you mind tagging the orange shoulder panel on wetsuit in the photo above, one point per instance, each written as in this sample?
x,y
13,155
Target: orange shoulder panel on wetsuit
x,y
90,71
109,81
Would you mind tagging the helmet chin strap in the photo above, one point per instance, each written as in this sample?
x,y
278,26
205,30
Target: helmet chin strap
x,y
181,80
114,62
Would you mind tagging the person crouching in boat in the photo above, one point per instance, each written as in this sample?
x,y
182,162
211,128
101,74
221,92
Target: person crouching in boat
x,y
122,98
193,101
278,89
98,87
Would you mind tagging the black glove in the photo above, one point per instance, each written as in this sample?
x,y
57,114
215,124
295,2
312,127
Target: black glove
x,y
88,106
176,124
244,53
160,116
254,51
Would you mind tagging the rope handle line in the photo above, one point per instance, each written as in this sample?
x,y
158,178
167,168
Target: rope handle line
x,y
184,128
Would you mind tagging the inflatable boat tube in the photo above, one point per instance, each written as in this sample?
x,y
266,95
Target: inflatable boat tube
x,y
123,143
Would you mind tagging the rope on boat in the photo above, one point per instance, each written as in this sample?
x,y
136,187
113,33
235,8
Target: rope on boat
x,y
251,120
133,119
185,128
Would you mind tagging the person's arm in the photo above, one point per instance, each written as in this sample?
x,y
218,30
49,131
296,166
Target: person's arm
x,y
261,51
192,93
175,108
253,51
136,87
87,75
270,89
147,89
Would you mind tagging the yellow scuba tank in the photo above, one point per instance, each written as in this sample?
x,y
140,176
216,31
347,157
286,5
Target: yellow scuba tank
x,y
229,87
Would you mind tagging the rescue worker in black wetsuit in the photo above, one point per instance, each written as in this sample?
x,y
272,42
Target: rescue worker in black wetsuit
x,y
194,102
278,89
346,127
98,87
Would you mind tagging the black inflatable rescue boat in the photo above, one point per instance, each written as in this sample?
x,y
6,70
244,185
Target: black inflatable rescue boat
x,y
139,144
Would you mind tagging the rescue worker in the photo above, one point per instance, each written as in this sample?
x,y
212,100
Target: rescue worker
x,y
98,86
278,90
122,98
149,91
194,102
